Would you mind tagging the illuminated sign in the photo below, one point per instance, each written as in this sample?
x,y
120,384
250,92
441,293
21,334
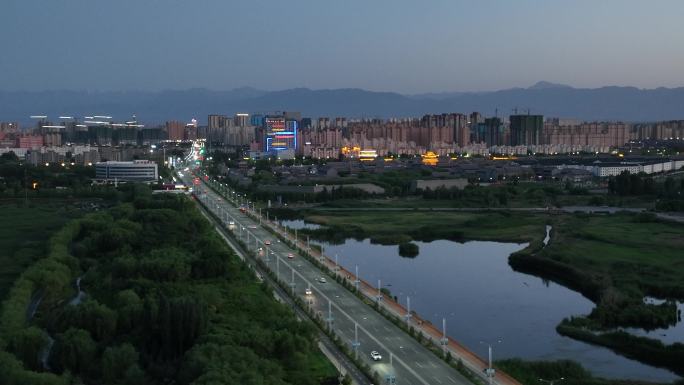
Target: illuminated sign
x,y
367,155
280,134
430,159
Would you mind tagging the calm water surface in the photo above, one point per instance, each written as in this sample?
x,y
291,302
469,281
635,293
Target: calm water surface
x,y
667,336
482,298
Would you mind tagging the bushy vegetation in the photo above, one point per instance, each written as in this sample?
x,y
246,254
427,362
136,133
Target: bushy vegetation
x,y
408,249
529,372
668,193
166,302
644,349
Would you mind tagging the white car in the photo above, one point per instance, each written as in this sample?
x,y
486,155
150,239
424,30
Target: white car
x,y
322,280
267,242
252,226
308,291
290,256
375,356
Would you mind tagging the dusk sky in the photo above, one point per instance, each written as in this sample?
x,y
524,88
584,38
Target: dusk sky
x,y
406,46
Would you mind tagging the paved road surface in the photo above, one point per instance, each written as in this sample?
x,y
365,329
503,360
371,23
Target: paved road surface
x,y
402,356
326,345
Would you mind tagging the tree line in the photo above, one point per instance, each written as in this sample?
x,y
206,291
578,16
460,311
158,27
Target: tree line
x,y
165,302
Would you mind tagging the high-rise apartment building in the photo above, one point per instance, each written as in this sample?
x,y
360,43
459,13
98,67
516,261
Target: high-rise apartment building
x,y
494,132
175,130
242,120
526,129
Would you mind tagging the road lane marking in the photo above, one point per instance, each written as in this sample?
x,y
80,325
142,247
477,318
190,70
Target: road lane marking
x,y
419,377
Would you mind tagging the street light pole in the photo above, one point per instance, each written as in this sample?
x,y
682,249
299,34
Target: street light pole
x,y
379,296
490,371
445,340
356,342
330,317
408,310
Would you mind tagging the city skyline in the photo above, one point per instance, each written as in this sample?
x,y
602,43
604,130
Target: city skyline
x,y
399,46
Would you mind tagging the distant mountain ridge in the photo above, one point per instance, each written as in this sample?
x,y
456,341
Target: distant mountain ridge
x,y
554,100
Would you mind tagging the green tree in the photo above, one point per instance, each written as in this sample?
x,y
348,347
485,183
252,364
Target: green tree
x,y
118,363
130,310
75,351
28,344
96,318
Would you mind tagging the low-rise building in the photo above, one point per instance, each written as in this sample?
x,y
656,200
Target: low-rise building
x,y
135,171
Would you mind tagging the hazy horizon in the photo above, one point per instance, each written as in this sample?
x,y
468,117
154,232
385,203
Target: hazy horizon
x,y
395,46
437,92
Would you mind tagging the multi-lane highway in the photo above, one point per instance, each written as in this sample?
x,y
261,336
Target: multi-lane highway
x,y
328,347
404,360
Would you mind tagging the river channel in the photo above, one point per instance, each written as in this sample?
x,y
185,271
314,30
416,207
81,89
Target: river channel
x,y
483,299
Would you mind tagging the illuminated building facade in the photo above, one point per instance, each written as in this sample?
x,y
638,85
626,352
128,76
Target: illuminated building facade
x,y
367,155
280,134
430,159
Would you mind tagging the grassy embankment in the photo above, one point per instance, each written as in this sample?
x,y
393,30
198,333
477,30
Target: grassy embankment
x,y
615,260
529,372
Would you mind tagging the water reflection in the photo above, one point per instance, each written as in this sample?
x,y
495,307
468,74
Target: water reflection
x,y
667,336
473,286
300,224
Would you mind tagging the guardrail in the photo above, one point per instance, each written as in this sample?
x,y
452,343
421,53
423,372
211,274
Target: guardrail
x,y
393,310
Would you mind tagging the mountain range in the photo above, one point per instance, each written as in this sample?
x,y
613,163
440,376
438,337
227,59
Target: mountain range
x,y
628,104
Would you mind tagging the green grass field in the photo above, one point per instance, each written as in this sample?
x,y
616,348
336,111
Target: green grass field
x,y
642,256
488,226
24,232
